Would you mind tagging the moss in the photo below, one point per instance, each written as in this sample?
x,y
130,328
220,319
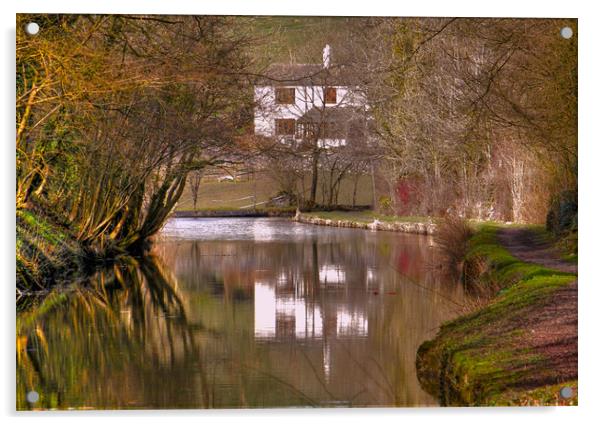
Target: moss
x,y
45,250
41,226
480,358
542,396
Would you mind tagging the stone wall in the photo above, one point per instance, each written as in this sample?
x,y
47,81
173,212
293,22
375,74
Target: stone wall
x,y
404,227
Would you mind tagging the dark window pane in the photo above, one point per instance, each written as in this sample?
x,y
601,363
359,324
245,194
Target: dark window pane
x,y
330,95
285,96
285,127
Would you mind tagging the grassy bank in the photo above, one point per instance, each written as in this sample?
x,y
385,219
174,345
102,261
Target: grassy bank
x,y
496,355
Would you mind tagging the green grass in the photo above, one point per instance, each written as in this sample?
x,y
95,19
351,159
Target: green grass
x,y
502,268
216,195
481,358
227,195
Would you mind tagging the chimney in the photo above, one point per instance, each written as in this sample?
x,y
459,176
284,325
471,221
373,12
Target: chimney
x,y
326,56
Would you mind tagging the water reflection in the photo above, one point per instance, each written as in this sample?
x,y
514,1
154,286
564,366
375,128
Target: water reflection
x,y
287,316
76,346
259,314
332,275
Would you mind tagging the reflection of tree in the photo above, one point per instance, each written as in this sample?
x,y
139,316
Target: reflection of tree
x,y
76,342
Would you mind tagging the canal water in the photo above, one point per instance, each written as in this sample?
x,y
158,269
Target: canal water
x,y
238,312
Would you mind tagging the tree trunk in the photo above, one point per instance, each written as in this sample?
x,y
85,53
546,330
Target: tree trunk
x,y
355,182
373,186
314,178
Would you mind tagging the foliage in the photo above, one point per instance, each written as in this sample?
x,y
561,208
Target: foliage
x,y
385,204
46,251
562,215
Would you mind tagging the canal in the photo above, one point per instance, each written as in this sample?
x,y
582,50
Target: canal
x,y
242,312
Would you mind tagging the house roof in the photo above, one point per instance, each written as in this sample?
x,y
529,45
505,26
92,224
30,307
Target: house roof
x,y
308,74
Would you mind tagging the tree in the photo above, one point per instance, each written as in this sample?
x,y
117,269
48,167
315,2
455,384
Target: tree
x,y
114,112
194,183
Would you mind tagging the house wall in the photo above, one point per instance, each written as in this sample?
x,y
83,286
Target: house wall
x,y
306,97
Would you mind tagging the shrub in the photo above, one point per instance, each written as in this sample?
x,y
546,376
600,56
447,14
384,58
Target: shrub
x,y
562,214
452,236
385,205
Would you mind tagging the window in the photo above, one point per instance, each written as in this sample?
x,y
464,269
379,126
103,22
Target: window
x,y
324,130
330,95
331,130
285,96
285,127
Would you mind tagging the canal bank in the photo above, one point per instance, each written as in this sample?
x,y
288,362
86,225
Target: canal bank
x,y
518,346
369,221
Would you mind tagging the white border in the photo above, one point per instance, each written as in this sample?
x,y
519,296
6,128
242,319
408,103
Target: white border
x,y
590,206
506,8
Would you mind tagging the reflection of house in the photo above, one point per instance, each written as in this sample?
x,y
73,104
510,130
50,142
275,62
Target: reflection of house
x,y
285,316
331,275
280,317
309,102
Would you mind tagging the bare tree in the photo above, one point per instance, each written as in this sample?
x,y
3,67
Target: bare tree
x,y
457,96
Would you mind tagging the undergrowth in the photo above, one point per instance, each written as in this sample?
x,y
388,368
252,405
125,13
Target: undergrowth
x,y
45,250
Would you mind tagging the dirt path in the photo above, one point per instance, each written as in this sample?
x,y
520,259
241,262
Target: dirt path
x,y
528,246
553,332
552,326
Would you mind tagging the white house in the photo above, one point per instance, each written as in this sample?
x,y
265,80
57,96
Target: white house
x,y
301,102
